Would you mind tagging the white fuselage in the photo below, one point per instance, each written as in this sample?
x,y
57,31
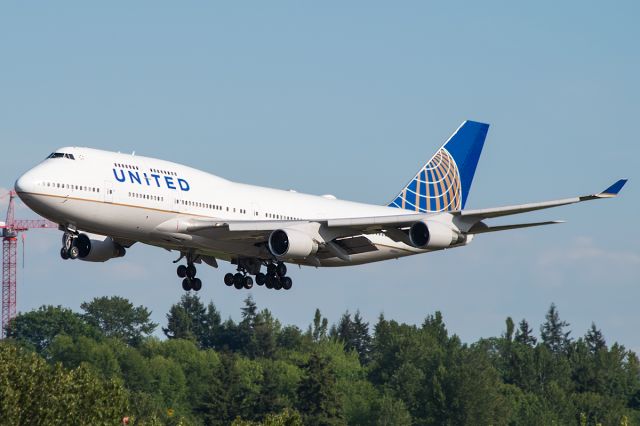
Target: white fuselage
x,y
128,197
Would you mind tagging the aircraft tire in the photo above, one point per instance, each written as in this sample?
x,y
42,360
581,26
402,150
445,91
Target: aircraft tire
x,y
191,271
287,283
228,279
238,280
196,284
281,269
64,253
186,284
74,252
248,282
277,284
271,269
182,271
269,281
260,278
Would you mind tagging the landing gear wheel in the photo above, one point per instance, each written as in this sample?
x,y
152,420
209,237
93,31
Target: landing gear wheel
x,y
186,284
196,284
64,253
281,269
228,279
260,278
269,281
67,240
287,283
191,271
238,280
182,271
271,269
277,284
248,282
74,252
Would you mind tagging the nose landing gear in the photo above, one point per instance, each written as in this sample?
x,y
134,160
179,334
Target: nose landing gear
x,y
69,248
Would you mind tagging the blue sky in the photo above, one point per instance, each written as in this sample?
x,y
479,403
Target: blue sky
x,y
349,100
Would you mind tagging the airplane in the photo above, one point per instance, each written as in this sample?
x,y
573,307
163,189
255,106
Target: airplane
x,y
104,202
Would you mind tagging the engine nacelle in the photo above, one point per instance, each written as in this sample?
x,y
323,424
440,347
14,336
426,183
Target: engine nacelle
x,y
434,235
291,244
98,248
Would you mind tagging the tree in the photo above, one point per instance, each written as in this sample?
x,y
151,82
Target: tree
x,y
214,402
32,392
318,401
37,329
249,311
508,334
524,334
552,332
245,337
265,334
391,412
318,331
355,335
190,320
117,317
211,335
83,350
595,339
290,337
435,327
287,417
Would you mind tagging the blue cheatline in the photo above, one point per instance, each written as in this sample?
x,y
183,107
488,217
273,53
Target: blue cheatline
x,y
443,183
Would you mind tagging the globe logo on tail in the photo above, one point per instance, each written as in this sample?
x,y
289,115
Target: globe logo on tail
x,y
435,188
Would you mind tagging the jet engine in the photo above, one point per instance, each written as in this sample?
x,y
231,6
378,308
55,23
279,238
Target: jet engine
x,y
434,235
291,244
98,248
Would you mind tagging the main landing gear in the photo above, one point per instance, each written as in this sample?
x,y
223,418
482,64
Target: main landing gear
x,y
188,273
275,278
239,280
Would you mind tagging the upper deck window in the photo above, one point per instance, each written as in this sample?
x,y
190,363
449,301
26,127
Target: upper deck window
x,y
61,155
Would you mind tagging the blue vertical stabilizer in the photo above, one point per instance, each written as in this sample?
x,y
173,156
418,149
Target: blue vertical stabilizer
x,y
443,183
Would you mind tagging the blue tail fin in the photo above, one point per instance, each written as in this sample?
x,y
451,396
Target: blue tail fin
x,y
443,183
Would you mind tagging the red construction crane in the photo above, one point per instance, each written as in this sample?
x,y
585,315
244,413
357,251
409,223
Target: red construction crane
x,y
10,230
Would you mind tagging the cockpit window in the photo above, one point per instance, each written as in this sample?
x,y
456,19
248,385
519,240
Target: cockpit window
x,y
61,155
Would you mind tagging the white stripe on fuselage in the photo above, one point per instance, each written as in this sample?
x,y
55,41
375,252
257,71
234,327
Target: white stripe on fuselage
x,y
153,191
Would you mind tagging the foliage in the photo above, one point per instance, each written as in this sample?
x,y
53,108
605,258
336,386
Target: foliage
x,y
317,397
37,329
117,317
33,392
63,367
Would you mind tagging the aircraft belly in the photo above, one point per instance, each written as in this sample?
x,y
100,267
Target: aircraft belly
x,y
384,252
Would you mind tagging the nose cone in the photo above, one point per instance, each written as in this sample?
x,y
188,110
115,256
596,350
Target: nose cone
x,y
25,183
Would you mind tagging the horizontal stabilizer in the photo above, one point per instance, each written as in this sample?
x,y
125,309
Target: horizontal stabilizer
x,y
481,228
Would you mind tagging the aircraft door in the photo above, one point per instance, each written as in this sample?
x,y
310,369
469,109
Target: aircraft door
x,y
255,211
108,192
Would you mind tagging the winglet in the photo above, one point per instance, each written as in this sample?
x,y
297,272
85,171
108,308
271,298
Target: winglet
x,y
613,190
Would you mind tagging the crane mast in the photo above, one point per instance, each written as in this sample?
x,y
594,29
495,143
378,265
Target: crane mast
x,y
10,230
